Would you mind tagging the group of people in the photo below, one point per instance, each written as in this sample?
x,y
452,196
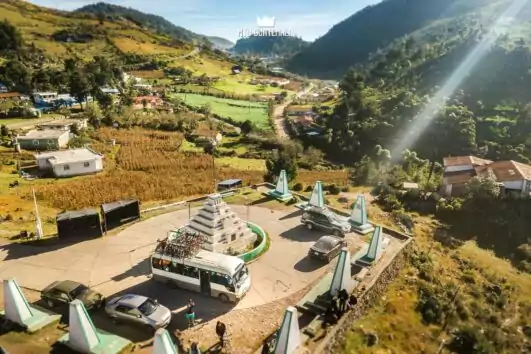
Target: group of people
x,y
221,328
339,305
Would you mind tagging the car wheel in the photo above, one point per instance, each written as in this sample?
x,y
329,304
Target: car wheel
x,y
224,298
309,226
50,303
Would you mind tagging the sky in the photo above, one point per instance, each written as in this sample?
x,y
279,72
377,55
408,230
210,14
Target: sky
x,y
308,19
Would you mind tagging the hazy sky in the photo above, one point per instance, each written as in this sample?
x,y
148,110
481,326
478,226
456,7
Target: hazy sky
x,y
308,19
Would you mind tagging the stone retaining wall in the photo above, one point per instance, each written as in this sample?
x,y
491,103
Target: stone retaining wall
x,y
336,336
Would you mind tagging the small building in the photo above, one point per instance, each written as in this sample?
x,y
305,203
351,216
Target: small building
x,y
110,91
148,101
236,69
44,140
512,176
79,224
68,163
142,86
44,96
3,88
229,184
10,96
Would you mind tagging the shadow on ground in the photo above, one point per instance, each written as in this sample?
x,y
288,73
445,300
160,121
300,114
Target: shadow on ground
x,y
36,247
296,213
308,265
301,234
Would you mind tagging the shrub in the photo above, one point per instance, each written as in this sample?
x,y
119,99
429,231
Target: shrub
x,y
334,189
345,189
308,189
404,219
297,187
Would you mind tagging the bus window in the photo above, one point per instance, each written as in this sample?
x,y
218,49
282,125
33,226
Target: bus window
x,y
177,268
219,278
191,272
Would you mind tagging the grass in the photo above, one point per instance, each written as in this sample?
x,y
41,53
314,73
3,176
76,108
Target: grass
x,y
398,323
240,111
241,164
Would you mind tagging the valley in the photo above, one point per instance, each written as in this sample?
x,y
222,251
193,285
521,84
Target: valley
x,y
420,108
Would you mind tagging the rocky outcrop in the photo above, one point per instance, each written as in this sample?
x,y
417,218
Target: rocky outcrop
x,y
336,337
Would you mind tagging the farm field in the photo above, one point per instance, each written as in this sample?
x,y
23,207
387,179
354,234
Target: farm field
x,y
240,111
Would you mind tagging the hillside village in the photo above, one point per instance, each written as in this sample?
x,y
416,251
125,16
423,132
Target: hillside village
x,y
150,165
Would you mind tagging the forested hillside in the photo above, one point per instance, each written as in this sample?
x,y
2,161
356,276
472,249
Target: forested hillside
x,y
269,45
352,41
111,12
220,43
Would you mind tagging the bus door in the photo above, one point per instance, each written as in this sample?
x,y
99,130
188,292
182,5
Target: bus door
x,y
204,279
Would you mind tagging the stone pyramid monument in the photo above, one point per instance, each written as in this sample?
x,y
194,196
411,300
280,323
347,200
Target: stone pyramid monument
x,y
342,274
85,338
19,311
374,251
358,218
288,335
220,226
281,192
163,343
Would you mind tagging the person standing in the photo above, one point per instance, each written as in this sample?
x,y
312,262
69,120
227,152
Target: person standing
x,y
220,331
194,349
343,297
352,301
265,348
190,316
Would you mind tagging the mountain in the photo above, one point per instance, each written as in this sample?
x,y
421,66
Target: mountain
x,y
269,45
352,41
220,43
156,23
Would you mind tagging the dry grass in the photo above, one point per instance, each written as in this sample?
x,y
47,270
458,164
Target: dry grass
x,y
308,178
128,45
146,74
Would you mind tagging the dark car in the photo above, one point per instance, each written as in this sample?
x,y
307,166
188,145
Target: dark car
x,y
66,291
326,248
324,219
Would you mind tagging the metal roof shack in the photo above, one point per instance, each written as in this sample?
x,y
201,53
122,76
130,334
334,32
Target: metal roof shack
x,y
76,214
229,183
464,160
42,134
68,156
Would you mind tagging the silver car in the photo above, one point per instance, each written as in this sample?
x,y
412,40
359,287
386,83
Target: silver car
x,y
140,310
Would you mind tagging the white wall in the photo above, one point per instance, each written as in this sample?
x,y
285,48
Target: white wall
x,y
63,140
515,185
458,168
43,163
78,168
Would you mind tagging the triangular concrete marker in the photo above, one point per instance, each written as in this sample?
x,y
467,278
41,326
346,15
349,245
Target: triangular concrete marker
x,y
281,191
83,336
317,197
288,336
375,246
342,274
282,183
163,343
358,218
16,306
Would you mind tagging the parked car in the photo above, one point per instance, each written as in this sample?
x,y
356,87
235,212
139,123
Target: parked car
x,y
327,248
324,219
66,291
138,309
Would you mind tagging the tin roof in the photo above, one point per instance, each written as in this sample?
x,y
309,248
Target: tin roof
x,y
464,160
68,156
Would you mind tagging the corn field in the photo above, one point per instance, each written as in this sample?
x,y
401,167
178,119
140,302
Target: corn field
x,y
145,165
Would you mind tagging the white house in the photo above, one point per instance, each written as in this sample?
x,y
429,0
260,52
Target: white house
x,y
459,170
44,96
44,140
68,163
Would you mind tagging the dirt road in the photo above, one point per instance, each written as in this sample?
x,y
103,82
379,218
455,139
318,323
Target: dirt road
x,y
30,123
281,128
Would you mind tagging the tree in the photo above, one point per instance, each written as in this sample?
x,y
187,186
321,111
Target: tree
x,y
247,127
281,160
482,189
79,86
4,131
105,101
10,38
469,340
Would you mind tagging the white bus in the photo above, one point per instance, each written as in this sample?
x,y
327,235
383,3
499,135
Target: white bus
x,y
214,274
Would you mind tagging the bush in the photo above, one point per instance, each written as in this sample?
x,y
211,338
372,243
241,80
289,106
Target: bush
x,y
297,187
345,189
334,189
308,189
404,219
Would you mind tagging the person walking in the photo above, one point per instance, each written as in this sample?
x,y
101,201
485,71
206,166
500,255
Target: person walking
x,y
220,331
190,316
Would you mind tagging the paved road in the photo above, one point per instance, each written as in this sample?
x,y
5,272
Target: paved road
x,y
281,128
120,263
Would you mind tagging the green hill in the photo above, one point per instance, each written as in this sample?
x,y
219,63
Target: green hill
x,y
269,45
372,29
156,23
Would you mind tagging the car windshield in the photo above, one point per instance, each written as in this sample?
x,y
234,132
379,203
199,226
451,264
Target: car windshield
x,y
148,307
324,244
80,290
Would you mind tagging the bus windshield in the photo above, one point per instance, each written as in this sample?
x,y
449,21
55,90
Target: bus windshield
x,y
240,274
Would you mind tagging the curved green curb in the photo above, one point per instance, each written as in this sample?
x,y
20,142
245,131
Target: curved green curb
x,y
254,253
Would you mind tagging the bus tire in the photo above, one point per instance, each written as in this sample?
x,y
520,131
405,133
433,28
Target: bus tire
x,y
224,298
